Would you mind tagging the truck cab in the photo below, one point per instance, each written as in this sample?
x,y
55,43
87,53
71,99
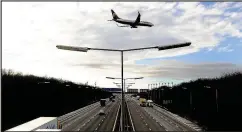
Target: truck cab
x,y
102,102
143,102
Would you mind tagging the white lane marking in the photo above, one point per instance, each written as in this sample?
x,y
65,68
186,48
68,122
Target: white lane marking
x,y
96,129
166,130
149,129
99,124
146,124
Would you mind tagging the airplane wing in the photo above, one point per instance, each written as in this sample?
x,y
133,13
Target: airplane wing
x,y
137,19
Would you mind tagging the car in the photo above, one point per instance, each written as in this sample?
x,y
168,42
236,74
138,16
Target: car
x,y
101,112
149,103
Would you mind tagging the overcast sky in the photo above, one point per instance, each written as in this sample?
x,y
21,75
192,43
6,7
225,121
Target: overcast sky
x,y
31,31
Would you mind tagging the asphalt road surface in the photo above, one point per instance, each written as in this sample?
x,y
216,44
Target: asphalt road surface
x,y
81,112
141,119
152,117
144,118
169,123
103,122
81,120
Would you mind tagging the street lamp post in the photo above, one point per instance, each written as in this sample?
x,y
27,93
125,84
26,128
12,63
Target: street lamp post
x,y
123,82
151,94
190,98
85,49
216,96
162,89
130,84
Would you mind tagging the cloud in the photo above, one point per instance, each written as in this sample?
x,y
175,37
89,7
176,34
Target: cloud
x,y
173,69
31,31
225,49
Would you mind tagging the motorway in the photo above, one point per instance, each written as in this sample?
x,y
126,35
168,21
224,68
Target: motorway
x,y
153,119
104,122
91,120
143,118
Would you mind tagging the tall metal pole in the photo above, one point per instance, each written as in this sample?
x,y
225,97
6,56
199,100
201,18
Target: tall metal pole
x,y
122,74
124,86
122,78
191,101
216,99
148,91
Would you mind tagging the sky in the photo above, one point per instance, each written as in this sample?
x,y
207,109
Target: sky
x,y
31,31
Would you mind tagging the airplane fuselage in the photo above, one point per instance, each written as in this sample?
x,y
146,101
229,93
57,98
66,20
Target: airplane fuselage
x,y
130,22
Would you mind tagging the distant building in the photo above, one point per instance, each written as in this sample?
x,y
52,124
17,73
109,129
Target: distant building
x,y
112,89
143,90
132,90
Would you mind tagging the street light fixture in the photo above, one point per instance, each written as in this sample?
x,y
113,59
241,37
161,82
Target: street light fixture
x,y
120,83
123,89
85,49
43,82
123,82
111,78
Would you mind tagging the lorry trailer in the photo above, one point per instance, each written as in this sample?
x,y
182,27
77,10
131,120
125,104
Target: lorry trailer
x,y
102,102
39,123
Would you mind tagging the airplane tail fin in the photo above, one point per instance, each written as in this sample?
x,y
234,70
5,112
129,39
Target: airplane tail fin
x,y
115,16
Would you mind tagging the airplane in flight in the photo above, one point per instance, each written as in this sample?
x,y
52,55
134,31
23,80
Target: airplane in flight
x,y
130,23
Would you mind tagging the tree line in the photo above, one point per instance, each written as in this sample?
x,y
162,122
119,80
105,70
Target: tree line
x,y
26,97
214,104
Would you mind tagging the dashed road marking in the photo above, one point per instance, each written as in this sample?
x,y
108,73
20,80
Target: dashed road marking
x,y
149,129
96,129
